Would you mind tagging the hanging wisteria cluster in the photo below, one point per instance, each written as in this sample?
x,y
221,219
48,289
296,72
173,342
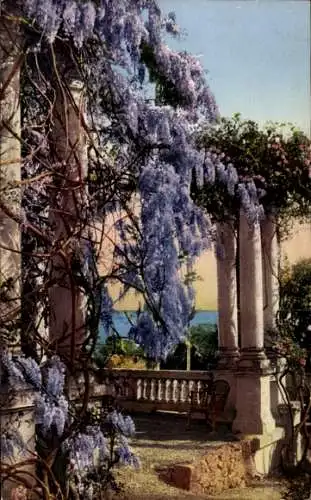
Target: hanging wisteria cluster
x,y
93,452
47,384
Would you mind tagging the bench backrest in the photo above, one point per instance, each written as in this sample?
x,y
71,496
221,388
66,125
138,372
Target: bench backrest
x,y
219,395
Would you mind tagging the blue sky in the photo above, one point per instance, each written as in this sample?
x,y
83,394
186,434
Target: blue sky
x,y
257,53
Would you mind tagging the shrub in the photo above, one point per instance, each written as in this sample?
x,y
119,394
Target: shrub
x,y
127,362
294,320
204,344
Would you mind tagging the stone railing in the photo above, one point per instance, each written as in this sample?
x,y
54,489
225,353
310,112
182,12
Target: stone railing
x,y
150,390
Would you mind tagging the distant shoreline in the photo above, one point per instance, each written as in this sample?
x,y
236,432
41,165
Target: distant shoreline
x,y
123,325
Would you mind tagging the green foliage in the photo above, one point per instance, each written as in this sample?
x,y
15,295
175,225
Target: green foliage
x,y
204,344
277,158
294,320
166,92
205,340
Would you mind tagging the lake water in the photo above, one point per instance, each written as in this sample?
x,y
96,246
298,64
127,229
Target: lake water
x,y
123,325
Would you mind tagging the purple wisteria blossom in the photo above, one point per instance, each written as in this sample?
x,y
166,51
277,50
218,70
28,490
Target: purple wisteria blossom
x,y
50,404
122,424
21,372
82,447
94,451
11,441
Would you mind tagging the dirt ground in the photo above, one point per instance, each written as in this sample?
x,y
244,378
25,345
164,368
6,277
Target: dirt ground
x,y
162,441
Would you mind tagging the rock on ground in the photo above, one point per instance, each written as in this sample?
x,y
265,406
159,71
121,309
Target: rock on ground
x,y
221,468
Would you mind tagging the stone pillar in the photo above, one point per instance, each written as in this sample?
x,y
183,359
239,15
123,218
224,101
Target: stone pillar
x,y
10,176
253,402
68,201
253,398
270,266
289,418
15,408
251,299
227,295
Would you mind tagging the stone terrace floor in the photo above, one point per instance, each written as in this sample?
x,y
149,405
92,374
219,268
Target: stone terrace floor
x,y
162,440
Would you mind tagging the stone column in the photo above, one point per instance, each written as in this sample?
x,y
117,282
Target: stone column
x,y
15,404
251,298
270,266
10,176
68,201
227,295
253,397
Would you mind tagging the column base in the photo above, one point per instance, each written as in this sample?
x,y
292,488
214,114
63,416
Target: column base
x,y
228,358
253,358
253,393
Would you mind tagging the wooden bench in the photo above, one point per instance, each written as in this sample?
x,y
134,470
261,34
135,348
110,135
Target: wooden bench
x,y
211,400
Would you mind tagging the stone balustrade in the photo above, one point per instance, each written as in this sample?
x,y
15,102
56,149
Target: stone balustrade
x,y
150,390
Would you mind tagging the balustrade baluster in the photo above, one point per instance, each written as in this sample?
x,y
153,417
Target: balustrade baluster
x,y
200,386
189,388
162,390
148,389
184,391
178,391
170,391
140,388
157,389
153,389
144,385
195,390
